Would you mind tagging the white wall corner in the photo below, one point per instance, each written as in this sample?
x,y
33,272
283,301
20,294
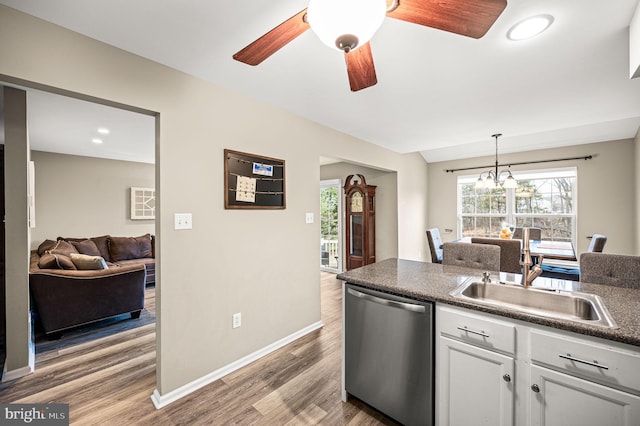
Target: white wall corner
x,y
634,44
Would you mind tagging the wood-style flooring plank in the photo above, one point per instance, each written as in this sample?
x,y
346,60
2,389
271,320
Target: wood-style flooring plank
x,y
108,376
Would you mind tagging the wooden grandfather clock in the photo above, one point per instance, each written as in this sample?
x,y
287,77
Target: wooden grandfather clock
x,y
360,201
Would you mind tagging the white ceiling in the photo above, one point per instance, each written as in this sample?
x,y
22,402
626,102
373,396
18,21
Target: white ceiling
x,y
438,93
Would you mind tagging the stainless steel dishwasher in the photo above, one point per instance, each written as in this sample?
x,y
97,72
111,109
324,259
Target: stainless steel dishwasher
x,y
389,350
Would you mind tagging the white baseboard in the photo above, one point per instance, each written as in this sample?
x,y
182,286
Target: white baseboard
x,y
160,401
27,369
17,373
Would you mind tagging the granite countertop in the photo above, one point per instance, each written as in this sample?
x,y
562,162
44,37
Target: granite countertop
x,y
433,282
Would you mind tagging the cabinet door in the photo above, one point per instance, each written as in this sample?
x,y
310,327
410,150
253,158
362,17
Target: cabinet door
x,y
475,386
560,400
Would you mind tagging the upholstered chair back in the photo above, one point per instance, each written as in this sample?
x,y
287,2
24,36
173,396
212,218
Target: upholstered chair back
x,y
611,269
435,244
479,256
509,252
534,233
597,243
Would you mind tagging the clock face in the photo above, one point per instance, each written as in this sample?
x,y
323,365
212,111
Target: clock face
x,y
356,202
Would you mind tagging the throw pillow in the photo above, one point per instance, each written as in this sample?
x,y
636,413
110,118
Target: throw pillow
x,y
63,247
86,262
46,245
87,247
102,242
48,261
125,248
55,261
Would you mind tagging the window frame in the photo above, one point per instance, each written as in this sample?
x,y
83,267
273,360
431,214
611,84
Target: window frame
x,y
510,215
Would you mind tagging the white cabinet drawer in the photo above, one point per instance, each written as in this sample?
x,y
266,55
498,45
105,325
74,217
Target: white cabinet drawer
x,y
599,362
477,330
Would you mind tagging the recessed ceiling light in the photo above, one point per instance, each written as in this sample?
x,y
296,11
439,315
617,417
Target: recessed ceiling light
x,y
530,27
96,140
103,131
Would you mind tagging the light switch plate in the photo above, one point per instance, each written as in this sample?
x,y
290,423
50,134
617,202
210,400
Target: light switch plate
x,y
183,221
309,218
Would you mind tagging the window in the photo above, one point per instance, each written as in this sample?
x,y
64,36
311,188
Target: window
x,y
544,199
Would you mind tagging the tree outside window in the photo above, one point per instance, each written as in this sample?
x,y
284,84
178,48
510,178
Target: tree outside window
x,y
543,199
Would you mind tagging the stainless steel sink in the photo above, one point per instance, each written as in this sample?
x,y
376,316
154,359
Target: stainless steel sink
x,y
568,305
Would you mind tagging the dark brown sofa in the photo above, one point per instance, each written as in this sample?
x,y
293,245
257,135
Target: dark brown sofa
x,y
74,281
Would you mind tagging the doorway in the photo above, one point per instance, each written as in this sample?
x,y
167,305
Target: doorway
x,y
331,225
86,125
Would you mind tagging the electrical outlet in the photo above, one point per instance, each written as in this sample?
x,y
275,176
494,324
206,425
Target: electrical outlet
x,y
183,221
309,218
236,320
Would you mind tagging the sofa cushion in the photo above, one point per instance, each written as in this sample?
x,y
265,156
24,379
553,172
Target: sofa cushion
x,y
62,247
86,262
101,242
125,248
46,245
87,247
55,261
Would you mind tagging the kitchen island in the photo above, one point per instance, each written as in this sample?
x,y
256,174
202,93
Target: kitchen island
x,y
433,282
499,365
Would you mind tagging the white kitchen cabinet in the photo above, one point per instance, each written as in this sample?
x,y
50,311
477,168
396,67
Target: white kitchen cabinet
x,y
558,399
475,385
574,381
560,378
475,368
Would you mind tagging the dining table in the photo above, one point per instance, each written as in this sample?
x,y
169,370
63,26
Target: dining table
x,y
559,250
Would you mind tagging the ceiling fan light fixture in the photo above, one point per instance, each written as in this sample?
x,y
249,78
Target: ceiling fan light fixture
x,y
529,27
346,24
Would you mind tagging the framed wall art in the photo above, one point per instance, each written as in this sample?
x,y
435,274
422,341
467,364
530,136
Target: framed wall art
x,y
143,203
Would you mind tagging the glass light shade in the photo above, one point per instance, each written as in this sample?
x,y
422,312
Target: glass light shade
x,y
530,27
489,182
480,183
331,19
510,182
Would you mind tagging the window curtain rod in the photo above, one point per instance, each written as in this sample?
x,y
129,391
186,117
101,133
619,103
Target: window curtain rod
x,y
588,157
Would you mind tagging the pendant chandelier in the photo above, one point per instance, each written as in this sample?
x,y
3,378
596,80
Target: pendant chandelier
x,y
493,177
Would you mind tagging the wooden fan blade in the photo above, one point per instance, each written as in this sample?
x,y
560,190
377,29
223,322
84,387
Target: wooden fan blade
x,y
471,18
274,40
362,73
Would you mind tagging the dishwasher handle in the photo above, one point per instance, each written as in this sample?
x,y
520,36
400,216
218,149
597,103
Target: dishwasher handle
x,y
393,303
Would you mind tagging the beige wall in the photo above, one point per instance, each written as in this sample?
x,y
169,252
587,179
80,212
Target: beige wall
x,y
386,203
636,188
84,196
606,193
261,263
16,156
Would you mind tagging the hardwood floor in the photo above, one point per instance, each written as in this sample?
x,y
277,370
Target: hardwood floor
x,y
109,380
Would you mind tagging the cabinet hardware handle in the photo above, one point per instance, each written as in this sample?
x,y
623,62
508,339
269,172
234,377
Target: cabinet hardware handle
x,y
506,378
388,302
468,330
535,388
593,364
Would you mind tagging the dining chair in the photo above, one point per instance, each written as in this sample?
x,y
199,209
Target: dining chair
x,y
610,269
597,243
534,233
435,244
479,256
574,273
509,252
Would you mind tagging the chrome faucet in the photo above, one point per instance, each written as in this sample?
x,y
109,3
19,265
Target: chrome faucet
x,y
530,271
